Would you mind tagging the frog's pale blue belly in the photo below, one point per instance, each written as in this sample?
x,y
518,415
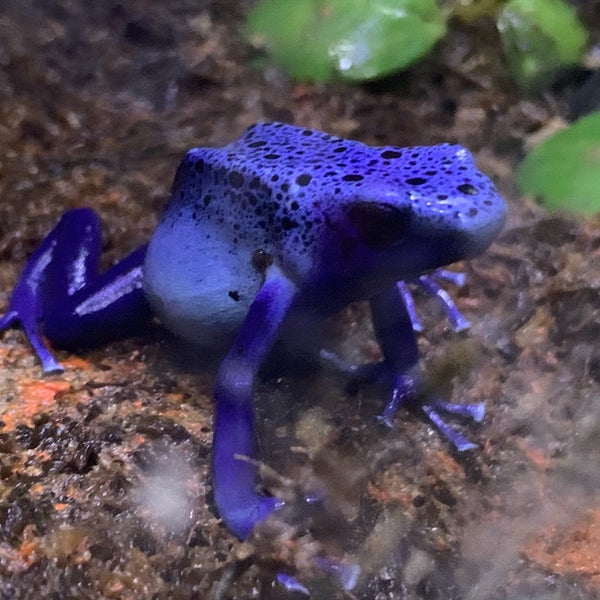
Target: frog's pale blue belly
x,y
201,289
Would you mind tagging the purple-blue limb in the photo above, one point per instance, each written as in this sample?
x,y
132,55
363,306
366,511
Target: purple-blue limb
x,y
239,503
393,328
409,303
235,478
291,584
456,318
61,296
404,392
474,411
456,279
431,288
460,442
366,373
345,574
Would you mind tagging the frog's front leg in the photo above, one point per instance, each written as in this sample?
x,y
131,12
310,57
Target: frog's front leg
x,y
61,295
394,330
235,479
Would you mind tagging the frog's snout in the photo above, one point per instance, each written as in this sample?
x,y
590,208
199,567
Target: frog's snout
x,y
481,223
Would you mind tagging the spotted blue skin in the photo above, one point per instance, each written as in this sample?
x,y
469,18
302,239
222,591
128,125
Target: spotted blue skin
x,y
282,222
303,199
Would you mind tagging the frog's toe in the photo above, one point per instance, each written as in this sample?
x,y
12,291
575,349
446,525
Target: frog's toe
x,y
347,574
8,320
365,373
458,441
241,519
291,584
403,393
458,321
430,286
475,410
32,330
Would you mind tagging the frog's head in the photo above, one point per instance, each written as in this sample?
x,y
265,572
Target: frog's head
x,y
430,207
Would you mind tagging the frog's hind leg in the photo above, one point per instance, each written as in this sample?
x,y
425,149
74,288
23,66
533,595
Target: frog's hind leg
x,y
61,295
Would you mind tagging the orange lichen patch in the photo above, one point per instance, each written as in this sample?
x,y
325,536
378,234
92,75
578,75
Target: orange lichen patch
x,y
535,332
448,464
29,551
60,506
537,457
386,494
11,559
74,493
175,398
66,541
34,398
37,489
573,551
42,456
76,363
138,439
189,418
115,195
16,560
42,392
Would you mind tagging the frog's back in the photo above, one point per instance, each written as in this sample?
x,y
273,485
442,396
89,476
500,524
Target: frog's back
x,y
305,168
316,180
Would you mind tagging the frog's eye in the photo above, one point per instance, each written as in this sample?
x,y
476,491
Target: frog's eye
x,y
379,225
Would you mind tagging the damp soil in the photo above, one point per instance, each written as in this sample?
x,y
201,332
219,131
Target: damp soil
x,y
104,469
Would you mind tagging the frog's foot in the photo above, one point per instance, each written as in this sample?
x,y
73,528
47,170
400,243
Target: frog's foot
x,y
366,373
235,467
404,393
61,293
430,286
346,575
26,306
475,411
18,313
291,584
259,507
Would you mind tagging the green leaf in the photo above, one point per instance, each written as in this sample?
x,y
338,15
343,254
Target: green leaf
x,y
564,171
539,37
353,39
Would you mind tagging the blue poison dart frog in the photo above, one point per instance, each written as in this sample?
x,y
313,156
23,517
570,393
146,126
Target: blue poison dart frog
x,y
282,221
